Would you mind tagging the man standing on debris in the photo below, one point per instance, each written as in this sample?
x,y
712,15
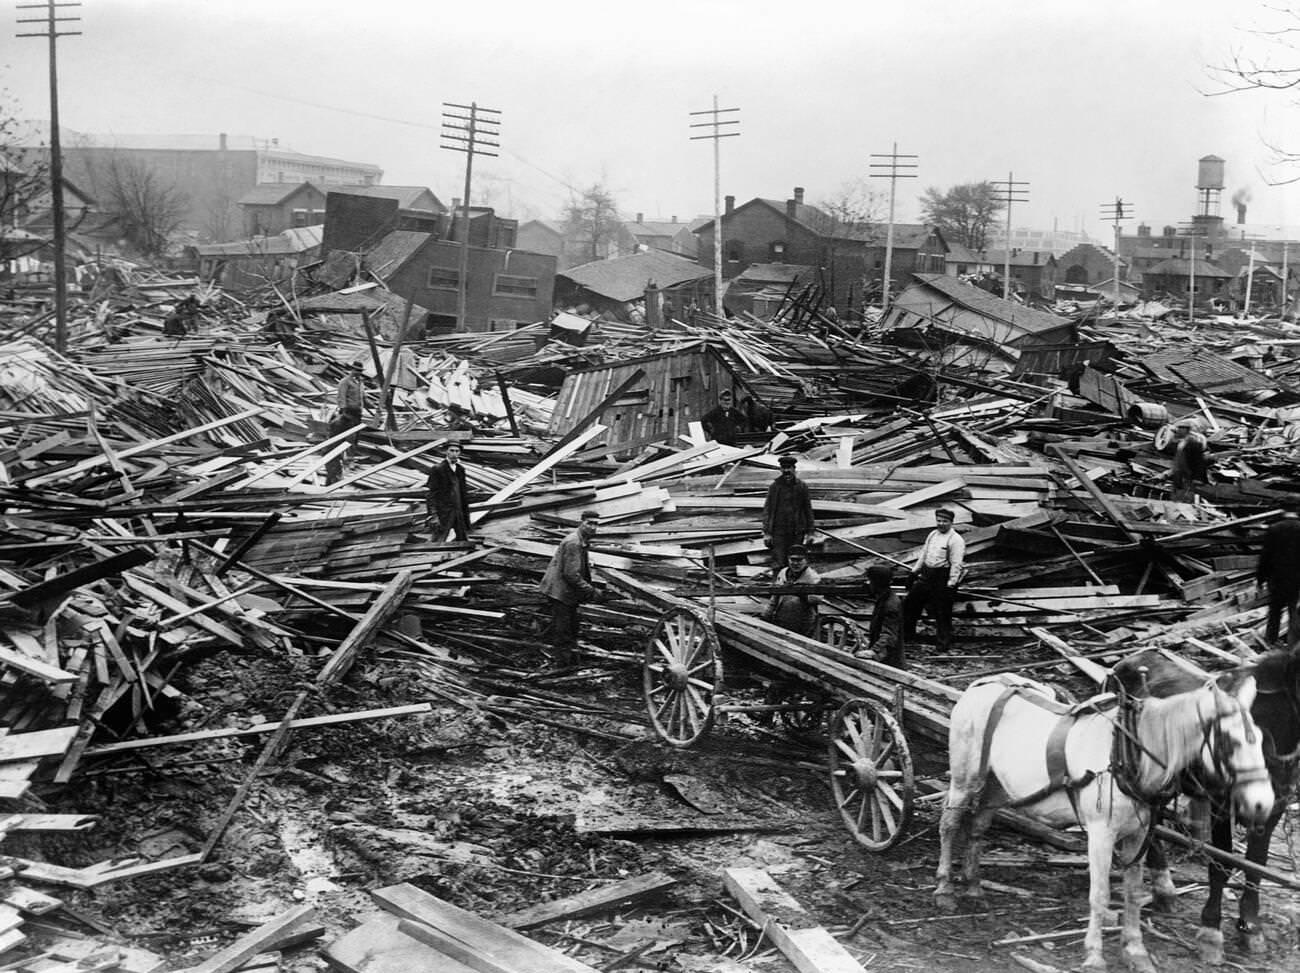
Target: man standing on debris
x,y
724,422
795,613
1279,568
346,415
935,577
886,634
566,585
1190,464
447,503
758,417
178,323
787,513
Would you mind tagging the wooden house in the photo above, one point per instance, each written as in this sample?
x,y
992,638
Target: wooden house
x,y
652,399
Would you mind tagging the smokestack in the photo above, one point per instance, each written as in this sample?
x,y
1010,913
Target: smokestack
x,y
729,202
1241,213
798,195
222,141
1239,199
790,205
674,219
640,217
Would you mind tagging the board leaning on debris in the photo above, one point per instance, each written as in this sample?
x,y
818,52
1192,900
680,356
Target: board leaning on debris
x,y
163,498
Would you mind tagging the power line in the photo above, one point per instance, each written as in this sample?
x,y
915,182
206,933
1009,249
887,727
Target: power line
x,y
1116,213
716,135
51,20
893,170
1011,191
473,134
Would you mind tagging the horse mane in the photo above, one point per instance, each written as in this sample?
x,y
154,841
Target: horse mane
x,y
1170,728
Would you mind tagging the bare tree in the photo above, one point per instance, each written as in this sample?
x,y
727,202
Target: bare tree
x,y
964,213
846,220
148,210
24,184
592,220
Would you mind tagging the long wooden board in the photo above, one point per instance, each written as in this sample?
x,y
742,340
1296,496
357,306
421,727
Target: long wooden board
x,y
805,944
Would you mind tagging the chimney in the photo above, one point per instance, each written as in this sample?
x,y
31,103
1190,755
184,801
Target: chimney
x,y
674,219
455,204
1241,213
790,205
729,204
640,217
221,144
1035,256
798,195
1144,230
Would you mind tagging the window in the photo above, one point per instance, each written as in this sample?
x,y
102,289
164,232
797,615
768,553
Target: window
x,y
735,251
509,285
444,278
778,250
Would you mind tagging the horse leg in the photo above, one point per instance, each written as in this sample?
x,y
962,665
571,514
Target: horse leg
x,y
1135,951
1163,893
1252,935
1101,845
979,823
953,821
1210,935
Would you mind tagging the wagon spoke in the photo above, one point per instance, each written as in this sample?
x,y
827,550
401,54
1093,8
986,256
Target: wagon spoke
x,y
701,704
886,752
700,684
852,730
665,651
848,798
862,814
890,794
848,751
706,664
882,807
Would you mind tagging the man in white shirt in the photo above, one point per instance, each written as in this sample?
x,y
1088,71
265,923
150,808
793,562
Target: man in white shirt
x,y
935,577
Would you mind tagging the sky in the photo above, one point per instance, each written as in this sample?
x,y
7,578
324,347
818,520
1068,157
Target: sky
x,y
1084,102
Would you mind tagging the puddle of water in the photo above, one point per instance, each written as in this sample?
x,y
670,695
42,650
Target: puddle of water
x,y
303,844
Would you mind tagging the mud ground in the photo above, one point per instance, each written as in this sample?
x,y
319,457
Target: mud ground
x,y
491,814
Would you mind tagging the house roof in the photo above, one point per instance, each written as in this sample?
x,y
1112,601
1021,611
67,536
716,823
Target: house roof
x,y
551,226
389,255
292,241
625,278
907,236
406,196
773,273
1021,258
655,228
1005,320
1204,370
1181,267
271,193
962,254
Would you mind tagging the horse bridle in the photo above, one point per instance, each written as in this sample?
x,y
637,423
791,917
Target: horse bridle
x,y
1214,739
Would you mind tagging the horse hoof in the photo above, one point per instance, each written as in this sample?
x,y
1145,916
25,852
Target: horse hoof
x,y
1253,942
945,902
1094,964
1164,903
1139,962
1211,946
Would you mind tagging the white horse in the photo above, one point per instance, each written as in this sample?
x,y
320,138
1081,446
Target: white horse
x,y
1103,766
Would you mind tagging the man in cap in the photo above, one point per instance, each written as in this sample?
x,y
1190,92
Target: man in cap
x,y
787,513
1190,465
347,414
566,585
1279,568
724,422
886,634
935,576
795,613
447,502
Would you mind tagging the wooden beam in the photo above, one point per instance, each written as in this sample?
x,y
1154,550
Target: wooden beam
x,y
389,600
592,901
809,947
553,458
250,944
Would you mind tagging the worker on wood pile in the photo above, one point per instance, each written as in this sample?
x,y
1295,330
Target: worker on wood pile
x,y
787,513
1190,464
346,415
886,633
795,613
1279,568
566,585
181,320
939,569
447,503
724,422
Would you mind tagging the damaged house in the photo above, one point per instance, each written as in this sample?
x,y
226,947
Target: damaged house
x,y
960,324
615,287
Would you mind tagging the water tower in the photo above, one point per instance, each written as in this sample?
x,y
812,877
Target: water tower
x,y
1207,222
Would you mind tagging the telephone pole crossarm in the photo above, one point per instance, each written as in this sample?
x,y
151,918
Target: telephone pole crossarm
x,y
473,133
1116,213
716,135
893,169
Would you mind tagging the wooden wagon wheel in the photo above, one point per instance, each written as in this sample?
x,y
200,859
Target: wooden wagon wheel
x,y
838,632
871,773
680,677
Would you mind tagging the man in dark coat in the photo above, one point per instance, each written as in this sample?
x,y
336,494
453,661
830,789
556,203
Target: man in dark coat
x,y
566,585
795,613
351,394
1190,464
886,634
1279,568
724,422
787,513
448,500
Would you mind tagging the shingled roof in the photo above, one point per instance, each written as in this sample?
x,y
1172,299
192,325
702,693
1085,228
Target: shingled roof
x,y
962,308
625,278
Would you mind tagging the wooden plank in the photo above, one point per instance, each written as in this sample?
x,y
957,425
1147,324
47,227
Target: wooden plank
x,y
379,946
1093,670
29,900
592,901
40,743
250,944
101,873
523,479
805,944
35,667
925,494
468,938
383,607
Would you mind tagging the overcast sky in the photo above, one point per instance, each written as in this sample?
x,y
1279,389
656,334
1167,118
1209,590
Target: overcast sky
x,y
1083,101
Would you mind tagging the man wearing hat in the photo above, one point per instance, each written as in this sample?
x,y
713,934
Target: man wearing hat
x,y
566,585
346,415
1190,465
724,422
1279,568
447,499
886,634
935,577
787,513
795,613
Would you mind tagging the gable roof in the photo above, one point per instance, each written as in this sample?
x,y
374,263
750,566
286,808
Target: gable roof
x,y
406,196
814,219
625,278
296,240
1181,267
962,254
389,255
1020,258
655,228
272,193
1002,321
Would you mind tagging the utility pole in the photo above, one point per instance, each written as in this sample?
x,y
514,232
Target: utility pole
x,y
1192,230
893,169
468,133
1115,213
51,21
1250,279
717,134
1010,192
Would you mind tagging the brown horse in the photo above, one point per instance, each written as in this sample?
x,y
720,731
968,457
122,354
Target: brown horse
x,y
1276,710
